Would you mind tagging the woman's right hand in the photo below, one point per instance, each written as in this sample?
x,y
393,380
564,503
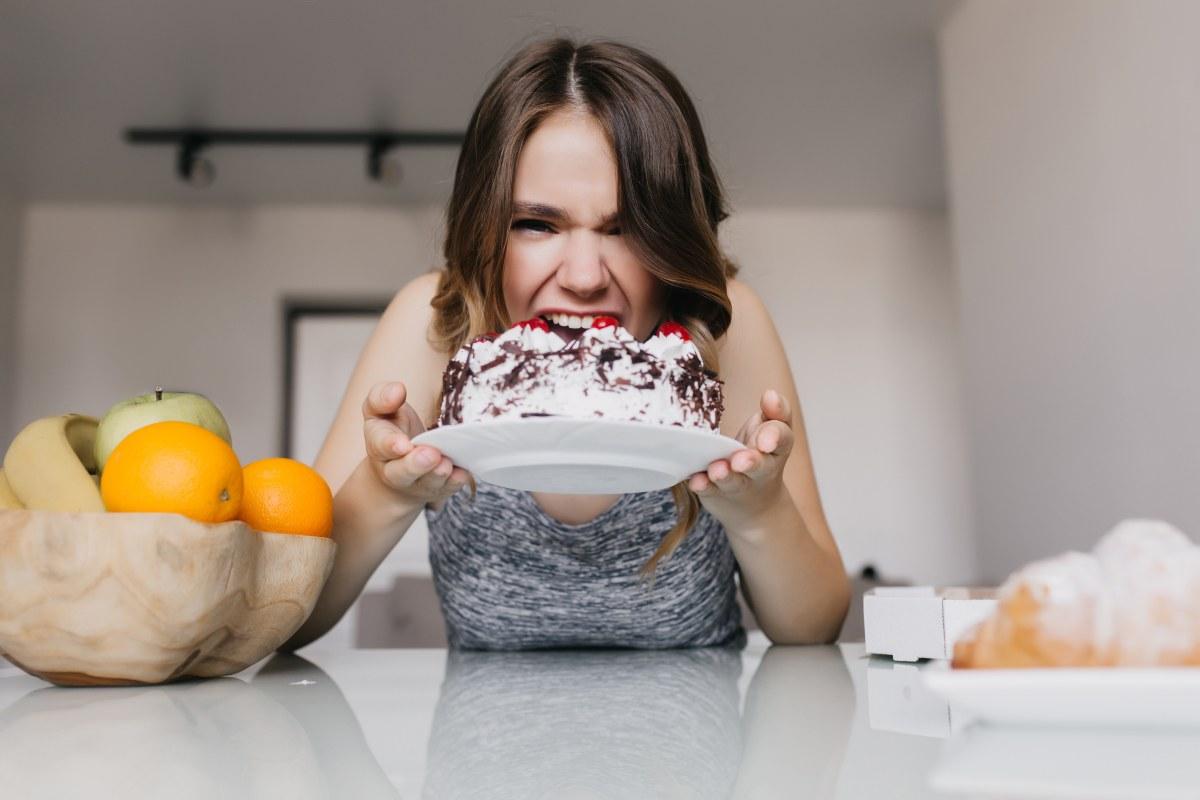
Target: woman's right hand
x,y
421,475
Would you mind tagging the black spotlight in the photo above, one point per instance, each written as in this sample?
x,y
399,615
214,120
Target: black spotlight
x,y
193,168
382,165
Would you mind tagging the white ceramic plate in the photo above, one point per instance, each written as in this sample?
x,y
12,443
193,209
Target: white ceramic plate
x,y
1104,696
571,456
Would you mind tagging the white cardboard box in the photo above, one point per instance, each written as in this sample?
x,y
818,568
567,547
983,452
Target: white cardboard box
x,y
909,623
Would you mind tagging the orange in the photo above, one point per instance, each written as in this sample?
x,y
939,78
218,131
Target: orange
x,y
283,495
174,467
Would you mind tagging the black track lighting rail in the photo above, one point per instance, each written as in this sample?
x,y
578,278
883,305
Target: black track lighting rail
x,y
224,136
192,141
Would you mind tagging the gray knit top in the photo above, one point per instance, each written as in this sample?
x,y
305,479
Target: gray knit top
x,y
511,577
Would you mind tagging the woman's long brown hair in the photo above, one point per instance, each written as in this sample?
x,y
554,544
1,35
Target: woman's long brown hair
x,y
670,200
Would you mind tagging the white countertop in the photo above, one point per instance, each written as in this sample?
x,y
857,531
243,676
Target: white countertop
x,y
757,723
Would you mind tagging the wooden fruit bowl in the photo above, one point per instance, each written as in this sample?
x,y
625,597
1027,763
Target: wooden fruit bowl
x,y
119,598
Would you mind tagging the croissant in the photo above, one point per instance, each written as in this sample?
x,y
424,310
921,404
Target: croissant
x,y
1134,601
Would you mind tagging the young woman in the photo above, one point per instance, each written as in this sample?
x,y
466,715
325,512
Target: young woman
x,y
584,186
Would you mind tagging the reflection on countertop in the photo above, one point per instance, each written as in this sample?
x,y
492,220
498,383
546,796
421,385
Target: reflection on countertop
x,y
622,724
591,724
287,732
712,722
760,722
981,760
1036,762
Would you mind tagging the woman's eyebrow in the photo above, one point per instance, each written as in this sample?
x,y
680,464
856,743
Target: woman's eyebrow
x,y
552,212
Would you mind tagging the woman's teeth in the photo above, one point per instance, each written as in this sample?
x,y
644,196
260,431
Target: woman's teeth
x,y
569,321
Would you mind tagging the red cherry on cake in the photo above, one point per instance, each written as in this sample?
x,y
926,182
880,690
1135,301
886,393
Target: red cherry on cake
x,y
605,322
674,329
536,322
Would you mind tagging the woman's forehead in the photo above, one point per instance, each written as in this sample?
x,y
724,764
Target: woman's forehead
x,y
567,158
569,135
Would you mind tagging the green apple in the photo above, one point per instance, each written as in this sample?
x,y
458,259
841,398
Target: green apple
x,y
137,412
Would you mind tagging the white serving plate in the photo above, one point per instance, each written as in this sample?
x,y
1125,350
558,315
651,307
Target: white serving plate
x,y
571,456
1096,696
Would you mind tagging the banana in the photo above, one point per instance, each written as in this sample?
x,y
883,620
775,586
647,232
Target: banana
x,y
7,498
49,464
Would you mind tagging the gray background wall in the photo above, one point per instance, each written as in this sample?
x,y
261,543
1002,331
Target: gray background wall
x,y
10,244
1072,130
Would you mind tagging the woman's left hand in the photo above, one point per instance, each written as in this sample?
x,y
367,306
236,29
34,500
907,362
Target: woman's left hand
x,y
750,481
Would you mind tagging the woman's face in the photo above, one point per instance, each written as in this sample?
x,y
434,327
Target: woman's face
x,y
566,254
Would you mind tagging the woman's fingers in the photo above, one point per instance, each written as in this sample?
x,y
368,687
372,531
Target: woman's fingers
x,y
768,439
748,467
775,406
384,399
722,474
718,477
444,480
402,471
772,442
776,438
424,469
388,426
384,439
458,479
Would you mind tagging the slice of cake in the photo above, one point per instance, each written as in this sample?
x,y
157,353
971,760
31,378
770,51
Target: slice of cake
x,y
529,371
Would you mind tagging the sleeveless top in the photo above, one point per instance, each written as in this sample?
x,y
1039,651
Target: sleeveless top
x,y
511,577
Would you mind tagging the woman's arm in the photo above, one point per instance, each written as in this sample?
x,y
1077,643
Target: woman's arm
x,y
368,523
766,495
370,516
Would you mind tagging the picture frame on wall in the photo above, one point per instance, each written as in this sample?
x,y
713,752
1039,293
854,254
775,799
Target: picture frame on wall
x,y
322,339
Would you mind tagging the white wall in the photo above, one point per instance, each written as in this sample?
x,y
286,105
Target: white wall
x,y
865,303
115,299
1072,131
10,244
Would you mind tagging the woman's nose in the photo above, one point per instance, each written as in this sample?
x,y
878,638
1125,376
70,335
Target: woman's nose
x,y
583,270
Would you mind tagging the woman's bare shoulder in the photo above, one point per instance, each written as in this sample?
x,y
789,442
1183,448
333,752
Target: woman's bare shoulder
x,y
414,297
405,336
751,357
408,318
749,313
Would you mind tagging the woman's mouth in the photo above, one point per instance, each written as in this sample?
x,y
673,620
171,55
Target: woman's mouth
x,y
566,333
568,327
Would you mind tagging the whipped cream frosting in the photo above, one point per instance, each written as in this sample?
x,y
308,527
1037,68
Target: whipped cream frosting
x,y
606,372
